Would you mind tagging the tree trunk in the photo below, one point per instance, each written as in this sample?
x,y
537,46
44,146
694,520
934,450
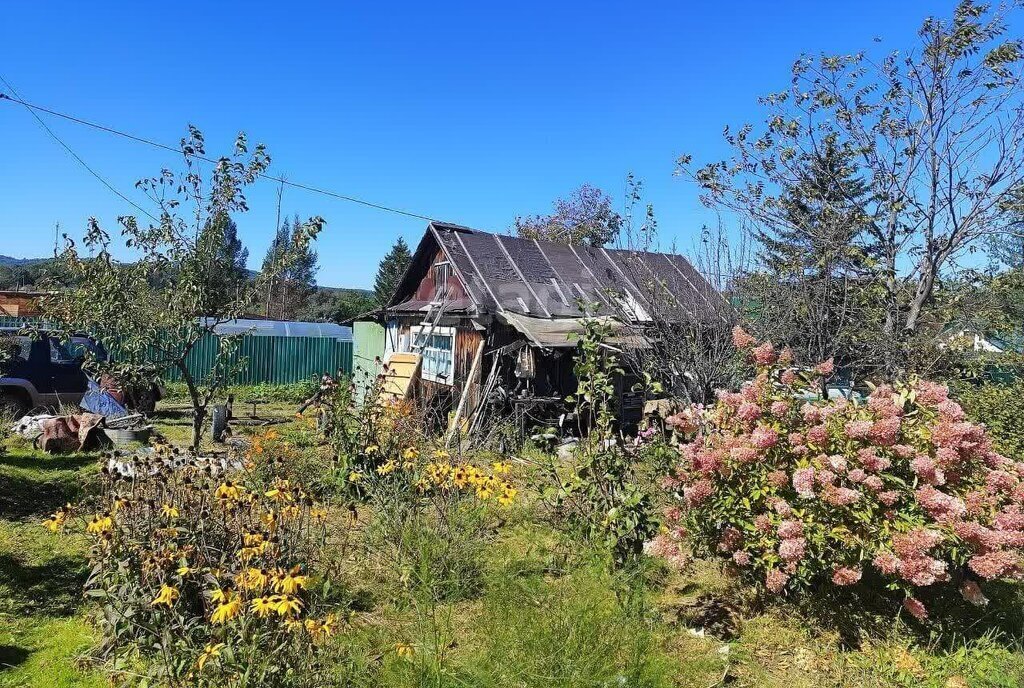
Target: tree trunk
x,y
925,286
198,407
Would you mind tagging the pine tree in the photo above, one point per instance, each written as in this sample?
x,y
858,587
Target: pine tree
x,y
289,294
390,271
810,296
825,217
226,272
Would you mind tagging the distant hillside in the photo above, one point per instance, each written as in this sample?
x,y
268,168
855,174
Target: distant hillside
x,y
11,261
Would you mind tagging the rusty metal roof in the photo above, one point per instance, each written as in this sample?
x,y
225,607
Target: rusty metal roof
x,y
542,279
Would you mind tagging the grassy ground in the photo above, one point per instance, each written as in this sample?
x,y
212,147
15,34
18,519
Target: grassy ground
x,y
43,629
538,611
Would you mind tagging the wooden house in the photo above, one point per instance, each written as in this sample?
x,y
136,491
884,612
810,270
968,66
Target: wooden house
x,y
495,319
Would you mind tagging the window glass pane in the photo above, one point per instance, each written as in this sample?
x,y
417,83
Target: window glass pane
x,y
17,348
59,353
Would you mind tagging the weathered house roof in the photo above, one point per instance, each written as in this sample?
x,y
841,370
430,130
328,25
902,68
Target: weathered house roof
x,y
544,280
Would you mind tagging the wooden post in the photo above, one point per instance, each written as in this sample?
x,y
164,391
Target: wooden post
x,y
465,392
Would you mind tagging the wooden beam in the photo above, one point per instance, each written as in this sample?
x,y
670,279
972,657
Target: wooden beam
x,y
465,392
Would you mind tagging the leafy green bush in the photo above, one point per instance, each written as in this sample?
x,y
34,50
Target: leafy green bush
x,y
600,495
1001,409
798,494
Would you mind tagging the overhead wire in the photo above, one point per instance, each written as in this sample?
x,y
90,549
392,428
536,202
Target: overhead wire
x,y
35,109
71,151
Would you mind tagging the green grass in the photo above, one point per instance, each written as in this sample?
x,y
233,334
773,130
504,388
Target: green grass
x,y
43,627
542,610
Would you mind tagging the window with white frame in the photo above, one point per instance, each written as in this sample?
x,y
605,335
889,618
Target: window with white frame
x,y
438,353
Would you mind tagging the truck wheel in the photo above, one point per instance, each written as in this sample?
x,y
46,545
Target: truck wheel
x,y
13,404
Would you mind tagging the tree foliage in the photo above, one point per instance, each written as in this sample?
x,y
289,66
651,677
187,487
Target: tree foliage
x,y
226,272
584,217
390,271
156,309
935,135
288,293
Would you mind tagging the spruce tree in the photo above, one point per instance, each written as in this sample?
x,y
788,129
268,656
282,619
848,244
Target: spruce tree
x,y
390,271
288,296
810,295
226,272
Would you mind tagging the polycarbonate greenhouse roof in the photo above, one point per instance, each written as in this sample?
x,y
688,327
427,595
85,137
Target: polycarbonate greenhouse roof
x,y
280,328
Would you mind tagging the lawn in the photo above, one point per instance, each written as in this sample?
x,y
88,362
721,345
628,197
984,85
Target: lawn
x,y
535,611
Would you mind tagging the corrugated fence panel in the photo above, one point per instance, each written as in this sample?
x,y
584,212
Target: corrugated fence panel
x,y
273,360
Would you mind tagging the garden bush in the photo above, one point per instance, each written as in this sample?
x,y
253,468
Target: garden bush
x,y
209,578
797,492
1001,409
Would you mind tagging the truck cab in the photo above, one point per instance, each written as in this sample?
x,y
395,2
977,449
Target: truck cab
x,y
42,371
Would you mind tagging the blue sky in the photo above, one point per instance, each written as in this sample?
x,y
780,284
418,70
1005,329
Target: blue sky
x,y
471,113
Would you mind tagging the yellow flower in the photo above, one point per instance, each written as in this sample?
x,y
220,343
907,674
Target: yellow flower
x,y
220,595
441,454
100,524
501,467
253,579
211,651
226,610
372,449
404,650
263,606
485,488
184,570
55,522
387,467
290,582
229,491
410,453
355,476
169,511
166,597
285,605
119,504
269,520
460,477
508,495
273,494
319,630
318,513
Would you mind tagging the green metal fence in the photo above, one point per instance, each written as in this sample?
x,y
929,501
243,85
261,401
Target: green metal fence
x,y
274,360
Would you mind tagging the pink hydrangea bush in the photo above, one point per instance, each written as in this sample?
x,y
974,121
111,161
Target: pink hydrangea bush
x,y
799,492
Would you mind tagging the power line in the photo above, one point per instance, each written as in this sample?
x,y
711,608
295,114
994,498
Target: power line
x,y
156,144
68,148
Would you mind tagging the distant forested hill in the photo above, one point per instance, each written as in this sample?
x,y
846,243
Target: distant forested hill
x,y
328,303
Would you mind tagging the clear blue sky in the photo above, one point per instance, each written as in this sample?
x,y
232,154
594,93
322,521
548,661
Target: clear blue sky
x,y
472,112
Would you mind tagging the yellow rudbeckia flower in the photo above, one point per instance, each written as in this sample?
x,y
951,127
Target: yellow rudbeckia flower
x,y
211,651
166,597
226,611
286,605
263,606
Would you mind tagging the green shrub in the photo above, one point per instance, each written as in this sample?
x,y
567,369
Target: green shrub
x,y
1001,409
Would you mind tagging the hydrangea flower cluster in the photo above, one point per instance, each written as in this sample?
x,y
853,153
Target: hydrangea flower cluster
x,y
797,491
